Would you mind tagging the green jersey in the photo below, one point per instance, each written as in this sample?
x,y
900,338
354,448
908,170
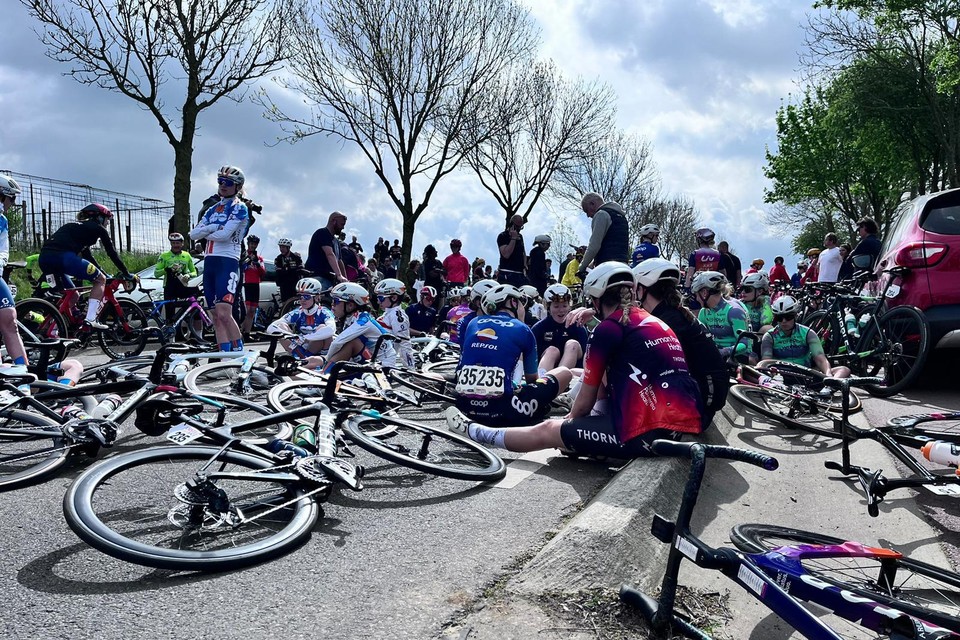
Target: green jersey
x,y
761,314
175,264
724,324
800,346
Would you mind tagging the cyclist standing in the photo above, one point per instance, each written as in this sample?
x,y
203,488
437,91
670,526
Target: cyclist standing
x,y
66,254
705,258
289,266
253,270
223,226
648,248
9,190
176,267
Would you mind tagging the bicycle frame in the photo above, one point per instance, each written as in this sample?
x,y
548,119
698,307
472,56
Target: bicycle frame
x,y
158,305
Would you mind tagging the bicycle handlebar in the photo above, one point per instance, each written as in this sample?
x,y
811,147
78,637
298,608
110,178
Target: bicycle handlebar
x,y
673,449
844,384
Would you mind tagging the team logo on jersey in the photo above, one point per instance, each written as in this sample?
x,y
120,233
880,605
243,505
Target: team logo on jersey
x,y
487,334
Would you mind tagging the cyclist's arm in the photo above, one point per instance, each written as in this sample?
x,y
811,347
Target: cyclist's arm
x,y
230,226
766,346
738,320
87,255
191,266
324,331
160,271
4,243
111,250
815,347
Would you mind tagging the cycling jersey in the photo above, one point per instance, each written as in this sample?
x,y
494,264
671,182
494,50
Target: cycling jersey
x,y
315,323
422,317
647,378
171,263
705,259
550,333
223,226
462,325
364,327
724,322
253,269
6,297
644,251
761,314
67,251
800,346
453,317
397,322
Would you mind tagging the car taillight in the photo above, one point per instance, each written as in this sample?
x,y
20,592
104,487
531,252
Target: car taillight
x,y
919,255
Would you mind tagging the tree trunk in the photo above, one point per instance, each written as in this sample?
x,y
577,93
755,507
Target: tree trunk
x,y
182,172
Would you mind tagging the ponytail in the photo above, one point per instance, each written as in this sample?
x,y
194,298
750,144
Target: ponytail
x,y
667,292
621,297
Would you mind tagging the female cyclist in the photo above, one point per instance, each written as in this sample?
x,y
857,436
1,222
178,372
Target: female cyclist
x,y
390,293
724,318
315,324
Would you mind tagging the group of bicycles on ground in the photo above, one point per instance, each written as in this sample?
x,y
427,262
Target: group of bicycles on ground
x,y
253,440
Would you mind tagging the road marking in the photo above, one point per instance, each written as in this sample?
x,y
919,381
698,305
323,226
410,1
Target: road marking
x,y
525,466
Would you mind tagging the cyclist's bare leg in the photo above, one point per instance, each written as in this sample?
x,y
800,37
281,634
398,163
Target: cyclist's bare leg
x,y
549,359
224,326
96,296
11,337
572,352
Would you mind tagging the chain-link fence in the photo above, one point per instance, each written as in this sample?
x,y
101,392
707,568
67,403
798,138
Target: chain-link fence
x,y
139,224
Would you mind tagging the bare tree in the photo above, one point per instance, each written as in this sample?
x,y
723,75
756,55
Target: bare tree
x,y
678,220
211,50
401,79
535,125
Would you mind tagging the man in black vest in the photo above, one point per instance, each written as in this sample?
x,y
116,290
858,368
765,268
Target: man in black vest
x,y
609,236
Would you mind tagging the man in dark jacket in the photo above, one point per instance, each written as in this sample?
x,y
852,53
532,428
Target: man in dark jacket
x,y
609,233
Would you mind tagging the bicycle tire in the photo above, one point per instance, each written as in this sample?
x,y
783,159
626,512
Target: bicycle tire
x,y
29,457
121,342
772,403
445,368
906,332
431,450
113,504
827,329
221,377
187,332
240,411
811,380
434,387
946,429
50,326
928,592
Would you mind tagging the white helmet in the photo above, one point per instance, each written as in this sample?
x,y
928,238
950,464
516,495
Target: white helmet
x,y
309,285
232,173
285,242
9,186
542,238
390,287
653,270
464,292
351,291
757,280
712,280
649,230
481,287
784,305
495,297
607,275
556,292
530,291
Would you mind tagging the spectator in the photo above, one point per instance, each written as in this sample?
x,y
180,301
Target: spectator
x,y
289,266
513,256
570,276
350,263
551,279
391,267
176,267
565,263
846,267
732,267
778,273
456,266
829,260
796,280
755,267
381,251
488,271
865,254
373,273
431,273
478,266
323,257
813,267
537,270
355,245
253,271
411,275
609,233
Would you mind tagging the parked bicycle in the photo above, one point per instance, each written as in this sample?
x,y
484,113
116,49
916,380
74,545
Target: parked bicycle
x,y
190,324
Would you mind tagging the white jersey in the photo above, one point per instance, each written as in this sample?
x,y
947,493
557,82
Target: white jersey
x,y
224,226
363,326
397,322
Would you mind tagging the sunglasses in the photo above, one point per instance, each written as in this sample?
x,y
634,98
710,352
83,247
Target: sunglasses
x,y
784,316
306,296
227,182
747,289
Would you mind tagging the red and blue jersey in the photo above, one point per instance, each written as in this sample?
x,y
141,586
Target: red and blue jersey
x,y
647,377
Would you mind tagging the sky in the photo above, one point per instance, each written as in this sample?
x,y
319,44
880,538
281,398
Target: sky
x,y
700,79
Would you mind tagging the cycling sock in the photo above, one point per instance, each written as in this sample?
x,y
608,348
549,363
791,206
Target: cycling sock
x,y
93,306
224,346
237,345
66,381
21,360
487,435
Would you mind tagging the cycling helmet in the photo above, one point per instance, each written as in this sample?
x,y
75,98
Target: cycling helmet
x,y
759,262
704,235
784,305
285,242
9,186
556,292
464,292
390,287
428,291
481,288
649,230
605,276
712,280
654,270
352,292
497,296
175,237
253,238
530,291
95,212
756,280
309,285
231,173
542,238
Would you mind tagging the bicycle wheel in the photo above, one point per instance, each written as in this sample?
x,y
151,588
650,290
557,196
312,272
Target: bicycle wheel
x,y
424,448
827,329
193,328
138,508
221,377
32,447
920,589
947,429
127,332
805,414
901,338
447,369
804,379
41,320
240,411
427,385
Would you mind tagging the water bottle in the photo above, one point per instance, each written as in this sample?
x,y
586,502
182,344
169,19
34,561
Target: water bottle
x,y
107,405
864,319
850,321
74,412
326,436
35,317
777,379
942,453
276,446
305,437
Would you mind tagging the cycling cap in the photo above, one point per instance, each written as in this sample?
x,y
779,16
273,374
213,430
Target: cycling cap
x,y
94,210
712,280
175,237
285,242
530,291
495,297
649,230
704,234
9,186
813,253
428,291
390,287
556,292
784,305
542,238
232,173
309,285
605,276
351,291
481,288
756,280
654,270
758,261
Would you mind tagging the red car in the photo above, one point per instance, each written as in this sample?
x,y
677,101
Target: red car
x,y
925,236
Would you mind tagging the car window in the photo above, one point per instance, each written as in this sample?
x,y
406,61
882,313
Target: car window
x,y
901,222
943,220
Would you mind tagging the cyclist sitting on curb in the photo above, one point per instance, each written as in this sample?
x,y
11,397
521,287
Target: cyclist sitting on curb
x,y
793,342
493,344
351,304
476,295
534,311
422,314
390,293
636,360
9,190
67,254
315,324
723,318
557,342
176,267
753,294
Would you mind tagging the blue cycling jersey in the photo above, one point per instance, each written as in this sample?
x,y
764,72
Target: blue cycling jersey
x,y
492,346
644,251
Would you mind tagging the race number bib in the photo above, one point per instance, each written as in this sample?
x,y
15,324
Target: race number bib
x,y
481,382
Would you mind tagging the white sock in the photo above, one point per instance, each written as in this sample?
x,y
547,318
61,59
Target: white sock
x,y
93,306
575,385
486,435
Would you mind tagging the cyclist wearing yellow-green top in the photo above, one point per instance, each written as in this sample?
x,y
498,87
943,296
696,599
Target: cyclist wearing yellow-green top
x,y
796,343
723,318
176,267
32,264
753,294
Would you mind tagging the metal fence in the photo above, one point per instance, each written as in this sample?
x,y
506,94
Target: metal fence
x,y
139,225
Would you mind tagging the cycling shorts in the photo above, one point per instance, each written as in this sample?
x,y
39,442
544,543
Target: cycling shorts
x,y
528,404
251,294
597,436
6,298
221,275
64,263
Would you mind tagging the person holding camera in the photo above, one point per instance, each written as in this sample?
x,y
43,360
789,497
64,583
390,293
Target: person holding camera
x,y
176,267
253,269
513,256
